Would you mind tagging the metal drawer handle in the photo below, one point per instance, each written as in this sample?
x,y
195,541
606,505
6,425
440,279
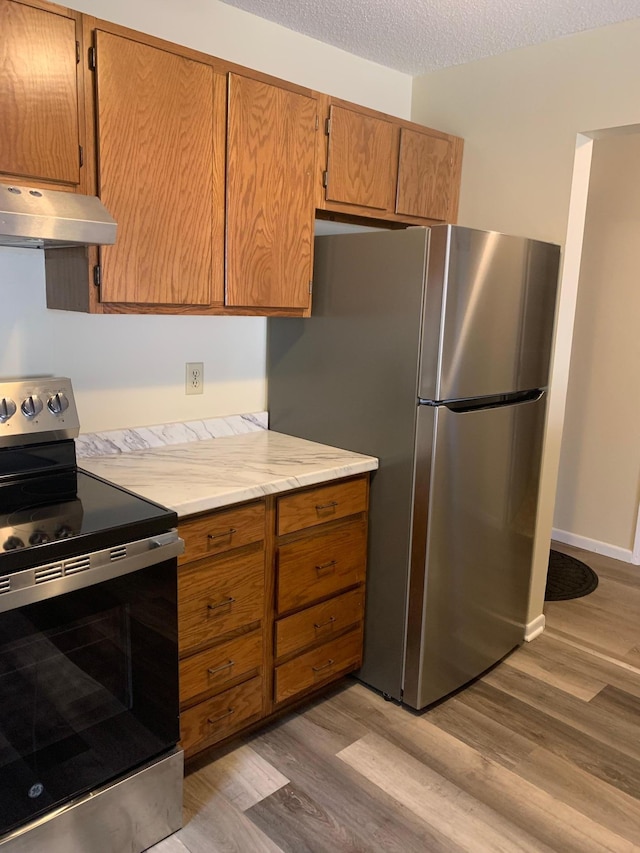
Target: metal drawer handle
x,y
330,662
213,670
322,566
329,621
228,532
226,602
330,505
221,717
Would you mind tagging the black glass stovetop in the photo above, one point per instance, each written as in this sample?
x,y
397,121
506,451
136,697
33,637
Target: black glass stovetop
x,y
71,512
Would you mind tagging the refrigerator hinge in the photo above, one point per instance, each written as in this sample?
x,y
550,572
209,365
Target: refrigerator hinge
x,y
92,59
97,275
327,126
325,178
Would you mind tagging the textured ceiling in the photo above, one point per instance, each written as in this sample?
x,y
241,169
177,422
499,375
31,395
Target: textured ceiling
x,y
417,36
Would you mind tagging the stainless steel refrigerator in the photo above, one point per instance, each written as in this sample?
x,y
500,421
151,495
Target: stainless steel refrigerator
x,y
430,349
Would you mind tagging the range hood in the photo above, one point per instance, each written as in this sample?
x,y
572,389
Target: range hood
x,y
42,219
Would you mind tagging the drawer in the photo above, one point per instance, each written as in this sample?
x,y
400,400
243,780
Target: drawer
x,y
321,565
326,503
214,719
320,622
221,531
218,596
318,666
214,668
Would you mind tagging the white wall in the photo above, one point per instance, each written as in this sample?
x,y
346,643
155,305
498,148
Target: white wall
x,y
129,370
520,114
599,478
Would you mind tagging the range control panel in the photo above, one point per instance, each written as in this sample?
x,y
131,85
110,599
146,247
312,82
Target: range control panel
x,y
38,409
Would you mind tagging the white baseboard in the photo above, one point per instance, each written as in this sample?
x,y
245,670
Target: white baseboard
x,y
534,628
624,554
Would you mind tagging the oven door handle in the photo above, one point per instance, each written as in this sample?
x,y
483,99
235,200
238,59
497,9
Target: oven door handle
x,y
57,578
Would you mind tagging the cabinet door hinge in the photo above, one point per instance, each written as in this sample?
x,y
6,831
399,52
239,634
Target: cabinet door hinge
x,y
92,59
311,286
81,155
317,122
325,179
327,126
77,53
97,275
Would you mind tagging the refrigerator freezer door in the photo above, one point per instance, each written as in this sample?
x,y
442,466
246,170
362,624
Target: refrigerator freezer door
x,y
476,490
489,312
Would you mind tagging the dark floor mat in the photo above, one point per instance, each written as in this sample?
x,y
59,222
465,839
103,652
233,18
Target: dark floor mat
x,y
568,578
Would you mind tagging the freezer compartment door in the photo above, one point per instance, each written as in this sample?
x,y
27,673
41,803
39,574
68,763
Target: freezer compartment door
x,y
476,491
488,313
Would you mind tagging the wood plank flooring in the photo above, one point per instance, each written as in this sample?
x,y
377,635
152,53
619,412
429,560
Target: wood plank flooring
x,y
540,754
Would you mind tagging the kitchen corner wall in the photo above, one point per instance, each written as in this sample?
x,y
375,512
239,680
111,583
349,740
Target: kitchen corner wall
x,y
129,370
599,480
519,114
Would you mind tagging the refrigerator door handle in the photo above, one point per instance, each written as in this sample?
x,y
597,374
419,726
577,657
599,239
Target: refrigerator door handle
x,y
496,401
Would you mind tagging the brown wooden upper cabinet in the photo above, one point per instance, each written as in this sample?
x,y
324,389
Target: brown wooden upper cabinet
x,y
362,151
271,150
39,122
160,158
381,167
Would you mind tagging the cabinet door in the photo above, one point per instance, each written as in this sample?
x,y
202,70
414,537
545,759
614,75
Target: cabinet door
x,y
157,168
424,175
361,159
38,94
270,203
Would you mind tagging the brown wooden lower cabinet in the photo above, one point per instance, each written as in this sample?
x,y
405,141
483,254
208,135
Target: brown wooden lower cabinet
x,y
266,617
318,666
216,667
224,714
319,623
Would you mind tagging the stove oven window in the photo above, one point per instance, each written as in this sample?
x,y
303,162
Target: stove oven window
x,y
88,690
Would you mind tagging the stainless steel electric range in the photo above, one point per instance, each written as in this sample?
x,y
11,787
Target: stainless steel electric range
x,y
88,643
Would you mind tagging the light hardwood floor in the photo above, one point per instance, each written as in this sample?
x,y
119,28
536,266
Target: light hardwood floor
x,y
540,754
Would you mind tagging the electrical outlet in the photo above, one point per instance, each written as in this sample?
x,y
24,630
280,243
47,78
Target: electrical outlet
x,y
194,379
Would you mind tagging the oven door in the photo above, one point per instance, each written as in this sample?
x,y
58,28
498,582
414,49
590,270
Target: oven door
x,y
88,680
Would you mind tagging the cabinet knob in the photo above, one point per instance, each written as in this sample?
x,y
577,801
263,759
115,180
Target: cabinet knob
x,y
228,532
226,602
326,665
330,621
213,670
214,720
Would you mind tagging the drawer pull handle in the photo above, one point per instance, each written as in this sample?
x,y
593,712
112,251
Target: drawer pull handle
x,y
224,716
329,621
323,566
330,505
213,670
227,602
330,662
228,532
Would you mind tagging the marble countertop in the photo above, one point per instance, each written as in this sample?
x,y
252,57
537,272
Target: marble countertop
x,y
211,473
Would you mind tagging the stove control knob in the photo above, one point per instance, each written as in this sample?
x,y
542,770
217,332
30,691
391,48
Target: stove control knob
x,y
57,403
7,409
38,537
31,406
13,543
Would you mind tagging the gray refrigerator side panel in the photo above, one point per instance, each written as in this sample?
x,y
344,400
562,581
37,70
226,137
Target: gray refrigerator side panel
x,y
477,475
495,296
347,376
